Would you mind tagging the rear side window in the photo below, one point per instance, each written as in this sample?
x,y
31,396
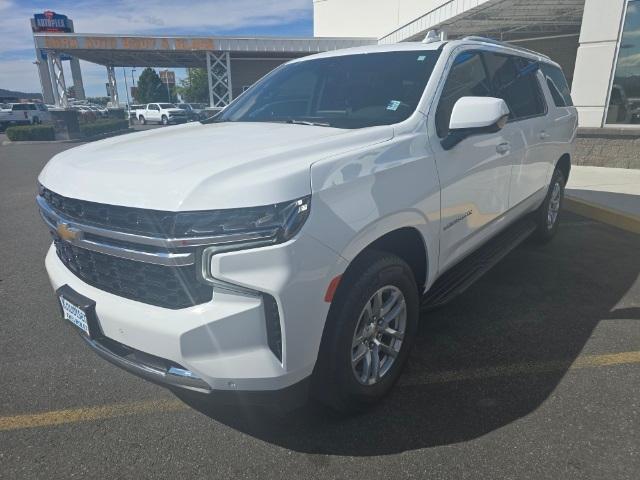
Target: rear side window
x,y
514,80
558,85
467,78
19,106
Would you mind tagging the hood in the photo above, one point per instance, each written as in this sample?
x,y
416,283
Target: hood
x,y
202,167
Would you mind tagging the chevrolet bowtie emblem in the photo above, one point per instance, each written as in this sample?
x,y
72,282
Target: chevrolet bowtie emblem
x,y
68,233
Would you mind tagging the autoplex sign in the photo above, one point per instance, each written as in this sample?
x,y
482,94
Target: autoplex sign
x,y
82,42
51,22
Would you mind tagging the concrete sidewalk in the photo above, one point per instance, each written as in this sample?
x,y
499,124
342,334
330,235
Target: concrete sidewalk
x,y
610,195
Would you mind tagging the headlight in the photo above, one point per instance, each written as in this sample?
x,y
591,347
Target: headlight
x,y
270,224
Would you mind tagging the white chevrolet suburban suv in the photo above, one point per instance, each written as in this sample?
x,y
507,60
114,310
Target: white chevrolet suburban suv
x,y
288,244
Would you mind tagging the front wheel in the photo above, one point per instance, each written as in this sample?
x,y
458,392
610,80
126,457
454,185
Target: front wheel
x,y
143,121
371,326
165,120
548,215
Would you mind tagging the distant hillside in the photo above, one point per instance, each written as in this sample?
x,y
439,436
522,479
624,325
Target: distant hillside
x,y
11,93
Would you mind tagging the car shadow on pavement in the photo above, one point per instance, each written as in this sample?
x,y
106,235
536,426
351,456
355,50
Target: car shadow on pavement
x,y
538,306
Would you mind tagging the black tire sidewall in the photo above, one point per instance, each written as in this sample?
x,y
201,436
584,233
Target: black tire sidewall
x,y
544,233
164,120
341,389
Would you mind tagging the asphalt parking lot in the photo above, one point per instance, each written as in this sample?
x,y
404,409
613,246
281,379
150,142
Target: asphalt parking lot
x,y
534,372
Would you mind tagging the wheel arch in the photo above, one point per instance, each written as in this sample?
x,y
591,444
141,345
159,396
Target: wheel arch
x,y
407,242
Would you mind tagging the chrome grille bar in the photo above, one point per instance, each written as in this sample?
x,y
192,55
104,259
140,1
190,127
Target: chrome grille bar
x,y
168,243
158,258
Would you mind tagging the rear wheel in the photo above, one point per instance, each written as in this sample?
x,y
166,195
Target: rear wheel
x,y
369,332
548,215
143,121
36,121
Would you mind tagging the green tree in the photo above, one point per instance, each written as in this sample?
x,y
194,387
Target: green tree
x,y
150,87
195,88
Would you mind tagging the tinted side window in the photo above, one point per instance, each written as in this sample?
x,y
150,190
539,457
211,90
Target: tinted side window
x,y
558,85
19,106
467,78
514,80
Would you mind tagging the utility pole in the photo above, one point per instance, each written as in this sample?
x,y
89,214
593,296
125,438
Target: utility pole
x,y
124,73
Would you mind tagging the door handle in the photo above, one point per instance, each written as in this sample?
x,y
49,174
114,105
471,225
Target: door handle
x,y
544,135
503,148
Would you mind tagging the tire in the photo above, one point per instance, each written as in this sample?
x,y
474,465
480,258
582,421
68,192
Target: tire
x,y
36,121
547,217
165,120
340,381
143,121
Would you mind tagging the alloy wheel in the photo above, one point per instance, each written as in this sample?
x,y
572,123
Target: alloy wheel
x,y
378,335
554,205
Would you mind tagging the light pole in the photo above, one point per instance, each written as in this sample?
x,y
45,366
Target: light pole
x,y
124,73
133,80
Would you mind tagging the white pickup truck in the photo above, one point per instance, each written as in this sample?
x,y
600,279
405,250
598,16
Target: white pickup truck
x,y
164,113
287,245
24,113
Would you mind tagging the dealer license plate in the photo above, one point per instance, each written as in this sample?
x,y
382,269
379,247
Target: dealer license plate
x,y
75,315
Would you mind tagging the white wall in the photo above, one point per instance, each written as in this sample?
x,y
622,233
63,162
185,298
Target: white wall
x,y
596,56
368,18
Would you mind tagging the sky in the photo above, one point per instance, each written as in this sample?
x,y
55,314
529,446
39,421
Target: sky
x,y
196,17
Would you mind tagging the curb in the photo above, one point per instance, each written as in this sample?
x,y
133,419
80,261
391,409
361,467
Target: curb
x,y
624,221
72,140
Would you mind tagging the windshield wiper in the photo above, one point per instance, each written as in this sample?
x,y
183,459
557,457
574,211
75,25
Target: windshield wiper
x,y
306,122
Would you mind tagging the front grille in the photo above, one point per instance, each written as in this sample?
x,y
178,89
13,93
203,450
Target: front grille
x,y
154,223
168,287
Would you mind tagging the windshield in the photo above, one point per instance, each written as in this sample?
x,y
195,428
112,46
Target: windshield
x,y
198,106
183,106
166,105
350,91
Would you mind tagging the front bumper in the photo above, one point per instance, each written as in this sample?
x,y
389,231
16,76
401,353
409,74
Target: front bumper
x,y
154,371
223,343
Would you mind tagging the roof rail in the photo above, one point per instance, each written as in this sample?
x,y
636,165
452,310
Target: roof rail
x,y
493,41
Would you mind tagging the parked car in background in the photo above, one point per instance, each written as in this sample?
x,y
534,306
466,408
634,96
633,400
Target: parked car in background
x,y
86,114
133,110
164,113
24,113
287,244
194,111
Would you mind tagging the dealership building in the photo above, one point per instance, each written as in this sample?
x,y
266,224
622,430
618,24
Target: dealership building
x,y
596,41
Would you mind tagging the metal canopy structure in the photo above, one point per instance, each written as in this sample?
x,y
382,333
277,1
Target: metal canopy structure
x,y
216,54
508,20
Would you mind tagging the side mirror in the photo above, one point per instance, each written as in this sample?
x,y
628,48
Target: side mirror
x,y
475,116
